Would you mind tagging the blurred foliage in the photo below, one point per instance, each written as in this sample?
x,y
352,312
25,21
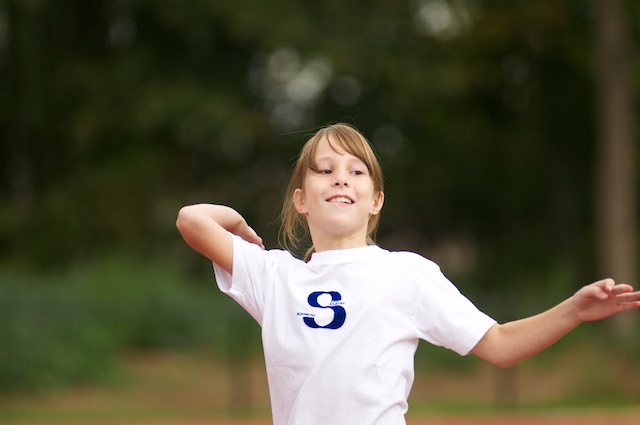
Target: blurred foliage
x,y
69,328
114,114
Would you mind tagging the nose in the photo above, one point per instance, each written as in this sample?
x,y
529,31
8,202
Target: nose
x,y
341,179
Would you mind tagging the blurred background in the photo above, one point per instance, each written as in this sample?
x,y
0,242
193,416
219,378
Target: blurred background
x,y
506,131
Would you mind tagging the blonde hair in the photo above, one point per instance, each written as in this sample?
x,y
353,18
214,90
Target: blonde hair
x,y
294,231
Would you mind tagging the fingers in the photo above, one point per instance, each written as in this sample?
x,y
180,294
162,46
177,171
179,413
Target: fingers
x,y
605,289
628,297
252,237
605,284
628,301
600,289
621,289
608,286
629,306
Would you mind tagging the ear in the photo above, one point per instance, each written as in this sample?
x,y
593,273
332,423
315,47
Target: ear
x,y
378,201
299,202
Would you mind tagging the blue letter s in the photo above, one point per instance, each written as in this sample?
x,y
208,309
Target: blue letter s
x,y
339,313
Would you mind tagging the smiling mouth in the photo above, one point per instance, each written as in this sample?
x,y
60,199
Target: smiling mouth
x,y
340,200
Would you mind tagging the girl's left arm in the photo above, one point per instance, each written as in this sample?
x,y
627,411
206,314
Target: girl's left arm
x,y
509,343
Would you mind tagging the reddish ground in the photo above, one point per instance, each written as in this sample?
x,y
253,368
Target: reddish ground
x,y
461,420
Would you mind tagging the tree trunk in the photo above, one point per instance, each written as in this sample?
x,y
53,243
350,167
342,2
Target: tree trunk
x,y
616,180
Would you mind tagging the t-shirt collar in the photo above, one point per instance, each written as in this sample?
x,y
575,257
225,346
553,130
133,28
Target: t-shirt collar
x,y
335,256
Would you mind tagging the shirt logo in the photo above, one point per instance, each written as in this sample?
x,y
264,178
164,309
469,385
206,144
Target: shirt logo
x,y
339,313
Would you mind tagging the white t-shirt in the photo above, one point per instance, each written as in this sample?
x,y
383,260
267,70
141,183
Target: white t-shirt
x,y
340,332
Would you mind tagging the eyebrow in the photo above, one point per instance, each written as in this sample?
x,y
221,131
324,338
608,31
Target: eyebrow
x,y
352,159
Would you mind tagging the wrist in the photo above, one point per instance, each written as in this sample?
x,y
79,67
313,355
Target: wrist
x,y
572,312
226,217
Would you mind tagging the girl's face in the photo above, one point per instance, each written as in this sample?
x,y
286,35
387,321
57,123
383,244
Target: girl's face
x,y
337,197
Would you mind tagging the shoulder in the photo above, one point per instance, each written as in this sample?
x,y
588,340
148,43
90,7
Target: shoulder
x,y
409,259
274,254
415,269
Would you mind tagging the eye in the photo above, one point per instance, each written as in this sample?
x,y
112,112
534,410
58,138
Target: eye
x,y
322,169
357,172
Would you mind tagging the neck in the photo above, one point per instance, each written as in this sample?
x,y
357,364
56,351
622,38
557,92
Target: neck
x,y
329,243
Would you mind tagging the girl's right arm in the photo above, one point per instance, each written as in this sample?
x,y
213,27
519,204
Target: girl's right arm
x,y
206,228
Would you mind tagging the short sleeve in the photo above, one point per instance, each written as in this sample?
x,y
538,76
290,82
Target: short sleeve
x,y
253,273
447,318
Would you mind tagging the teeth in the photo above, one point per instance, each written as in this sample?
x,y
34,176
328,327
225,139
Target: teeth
x,y
341,199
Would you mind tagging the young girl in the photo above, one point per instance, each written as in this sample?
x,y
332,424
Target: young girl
x,y
340,328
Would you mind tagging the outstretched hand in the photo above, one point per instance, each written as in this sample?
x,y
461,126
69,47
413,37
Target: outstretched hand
x,y
605,298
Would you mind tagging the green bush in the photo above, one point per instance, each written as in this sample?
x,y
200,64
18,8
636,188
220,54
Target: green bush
x,y
68,328
49,336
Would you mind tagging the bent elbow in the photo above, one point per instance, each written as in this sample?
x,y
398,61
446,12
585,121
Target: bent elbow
x,y
180,220
185,217
504,363
494,348
504,360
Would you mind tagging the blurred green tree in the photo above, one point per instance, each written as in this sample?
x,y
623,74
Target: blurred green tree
x,y
114,114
